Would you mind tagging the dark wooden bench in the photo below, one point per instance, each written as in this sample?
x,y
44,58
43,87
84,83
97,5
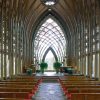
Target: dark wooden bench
x,y
83,90
13,99
12,89
24,95
17,86
84,96
21,83
81,86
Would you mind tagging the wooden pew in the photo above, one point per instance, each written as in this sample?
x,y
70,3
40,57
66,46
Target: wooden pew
x,y
20,88
13,89
13,99
84,96
20,80
17,86
81,86
84,83
71,78
79,81
21,83
83,90
24,95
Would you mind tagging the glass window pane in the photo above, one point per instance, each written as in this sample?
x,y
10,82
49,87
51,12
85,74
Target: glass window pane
x,y
50,59
50,34
93,66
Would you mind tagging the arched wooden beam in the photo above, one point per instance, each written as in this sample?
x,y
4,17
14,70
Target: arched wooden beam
x,y
52,52
57,16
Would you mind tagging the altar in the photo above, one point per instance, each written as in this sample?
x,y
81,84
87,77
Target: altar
x,y
68,69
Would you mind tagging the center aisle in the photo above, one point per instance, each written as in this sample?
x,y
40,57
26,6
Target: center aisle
x,y
50,90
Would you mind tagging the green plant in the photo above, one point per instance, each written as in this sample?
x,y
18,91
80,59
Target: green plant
x,y
43,66
29,71
57,66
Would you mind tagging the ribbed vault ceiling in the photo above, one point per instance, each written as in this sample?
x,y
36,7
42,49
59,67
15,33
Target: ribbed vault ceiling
x,y
69,10
65,8
50,35
75,15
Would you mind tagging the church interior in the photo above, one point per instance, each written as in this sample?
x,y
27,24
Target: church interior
x,y
49,49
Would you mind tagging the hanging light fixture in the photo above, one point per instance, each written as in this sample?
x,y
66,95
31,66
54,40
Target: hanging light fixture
x,y
49,2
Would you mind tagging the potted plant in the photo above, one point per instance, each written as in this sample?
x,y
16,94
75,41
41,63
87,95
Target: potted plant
x,y
43,66
29,71
57,66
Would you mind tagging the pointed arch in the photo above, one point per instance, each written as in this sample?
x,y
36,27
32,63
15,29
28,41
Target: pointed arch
x,y
57,17
52,52
61,50
50,34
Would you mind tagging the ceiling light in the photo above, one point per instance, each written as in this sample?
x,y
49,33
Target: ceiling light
x,y
49,2
49,9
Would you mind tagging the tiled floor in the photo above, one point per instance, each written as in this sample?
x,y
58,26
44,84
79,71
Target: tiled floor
x,y
49,91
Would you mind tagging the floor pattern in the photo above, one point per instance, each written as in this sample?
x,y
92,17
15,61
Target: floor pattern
x,y
49,91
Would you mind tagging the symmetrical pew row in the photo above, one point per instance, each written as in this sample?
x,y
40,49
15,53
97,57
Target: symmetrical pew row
x,y
19,88
80,88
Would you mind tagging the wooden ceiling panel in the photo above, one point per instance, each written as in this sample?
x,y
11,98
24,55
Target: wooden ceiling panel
x,y
69,10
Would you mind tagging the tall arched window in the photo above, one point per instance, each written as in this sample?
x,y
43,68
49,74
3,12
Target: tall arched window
x,y
50,34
